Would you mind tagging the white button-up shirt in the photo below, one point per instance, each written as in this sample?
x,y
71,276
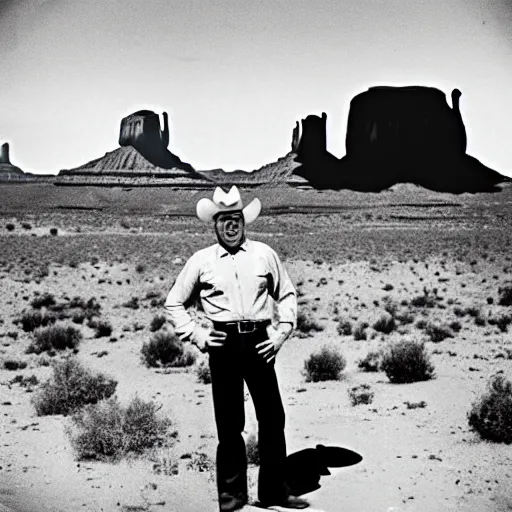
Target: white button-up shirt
x,y
232,287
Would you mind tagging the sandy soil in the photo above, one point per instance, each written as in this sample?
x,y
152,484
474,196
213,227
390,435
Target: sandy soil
x,y
423,459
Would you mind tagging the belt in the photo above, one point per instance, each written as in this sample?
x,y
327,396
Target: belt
x,y
242,326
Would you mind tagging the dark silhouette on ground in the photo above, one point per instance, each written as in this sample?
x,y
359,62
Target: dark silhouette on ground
x,y
305,467
395,135
142,159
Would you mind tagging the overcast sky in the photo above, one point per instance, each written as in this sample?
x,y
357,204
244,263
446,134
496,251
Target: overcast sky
x,y
235,75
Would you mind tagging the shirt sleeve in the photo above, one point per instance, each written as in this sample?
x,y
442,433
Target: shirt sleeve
x,y
185,288
283,291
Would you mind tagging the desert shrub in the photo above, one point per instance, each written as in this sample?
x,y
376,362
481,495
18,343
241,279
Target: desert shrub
x,y
9,227
306,323
54,337
203,372
107,430
344,327
140,268
501,321
480,320
415,405
26,225
360,331
371,362
388,287
406,317
46,300
438,332
505,293
407,361
201,462
427,300
72,386
361,394
166,349
491,415
455,326
326,364
458,311
133,303
78,317
157,322
103,328
14,364
385,324
54,231
25,382
473,311
252,450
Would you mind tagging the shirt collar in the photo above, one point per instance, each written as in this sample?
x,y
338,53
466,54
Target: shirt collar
x,y
222,252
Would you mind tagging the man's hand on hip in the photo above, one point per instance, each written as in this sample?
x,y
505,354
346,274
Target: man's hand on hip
x,y
203,338
268,349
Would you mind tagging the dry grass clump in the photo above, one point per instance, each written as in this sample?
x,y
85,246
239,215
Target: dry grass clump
x,y
72,386
361,394
427,300
201,462
407,361
501,321
108,431
102,328
371,362
325,364
166,349
252,449
491,415
157,322
55,337
203,372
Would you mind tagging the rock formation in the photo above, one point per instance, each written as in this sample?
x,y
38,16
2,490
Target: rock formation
x,y
396,135
9,172
142,159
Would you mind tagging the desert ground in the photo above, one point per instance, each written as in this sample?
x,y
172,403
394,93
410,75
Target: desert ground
x,y
352,256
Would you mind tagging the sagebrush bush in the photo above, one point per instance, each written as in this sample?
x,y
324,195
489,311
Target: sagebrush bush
x,y
326,364
31,320
427,300
344,327
102,329
438,332
166,349
109,431
54,231
306,323
371,362
203,372
10,226
505,293
14,364
157,322
385,324
45,300
72,386
360,331
252,450
407,361
491,415
361,394
55,337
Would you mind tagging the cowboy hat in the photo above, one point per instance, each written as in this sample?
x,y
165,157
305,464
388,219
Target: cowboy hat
x,y
221,202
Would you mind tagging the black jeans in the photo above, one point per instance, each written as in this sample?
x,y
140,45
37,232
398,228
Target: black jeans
x,y
237,360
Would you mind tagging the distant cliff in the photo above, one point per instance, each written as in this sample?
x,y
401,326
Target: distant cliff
x,y
142,160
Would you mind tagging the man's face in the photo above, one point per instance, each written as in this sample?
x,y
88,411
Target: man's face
x,y
230,229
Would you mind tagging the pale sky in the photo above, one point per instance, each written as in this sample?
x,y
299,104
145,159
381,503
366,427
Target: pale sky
x,y
235,75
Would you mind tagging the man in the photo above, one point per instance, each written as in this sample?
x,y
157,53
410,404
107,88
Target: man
x,y
236,280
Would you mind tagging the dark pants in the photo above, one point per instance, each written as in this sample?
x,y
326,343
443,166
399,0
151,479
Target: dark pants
x,y
231,364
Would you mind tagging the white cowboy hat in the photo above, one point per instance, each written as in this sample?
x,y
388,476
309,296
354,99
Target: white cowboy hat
x,y
206,209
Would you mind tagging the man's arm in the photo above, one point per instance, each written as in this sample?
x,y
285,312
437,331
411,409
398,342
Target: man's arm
x,y
184,288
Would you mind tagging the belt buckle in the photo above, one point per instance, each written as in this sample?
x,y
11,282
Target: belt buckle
x,y
242,330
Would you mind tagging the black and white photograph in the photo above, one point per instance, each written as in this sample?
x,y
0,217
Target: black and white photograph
x,y
255,255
